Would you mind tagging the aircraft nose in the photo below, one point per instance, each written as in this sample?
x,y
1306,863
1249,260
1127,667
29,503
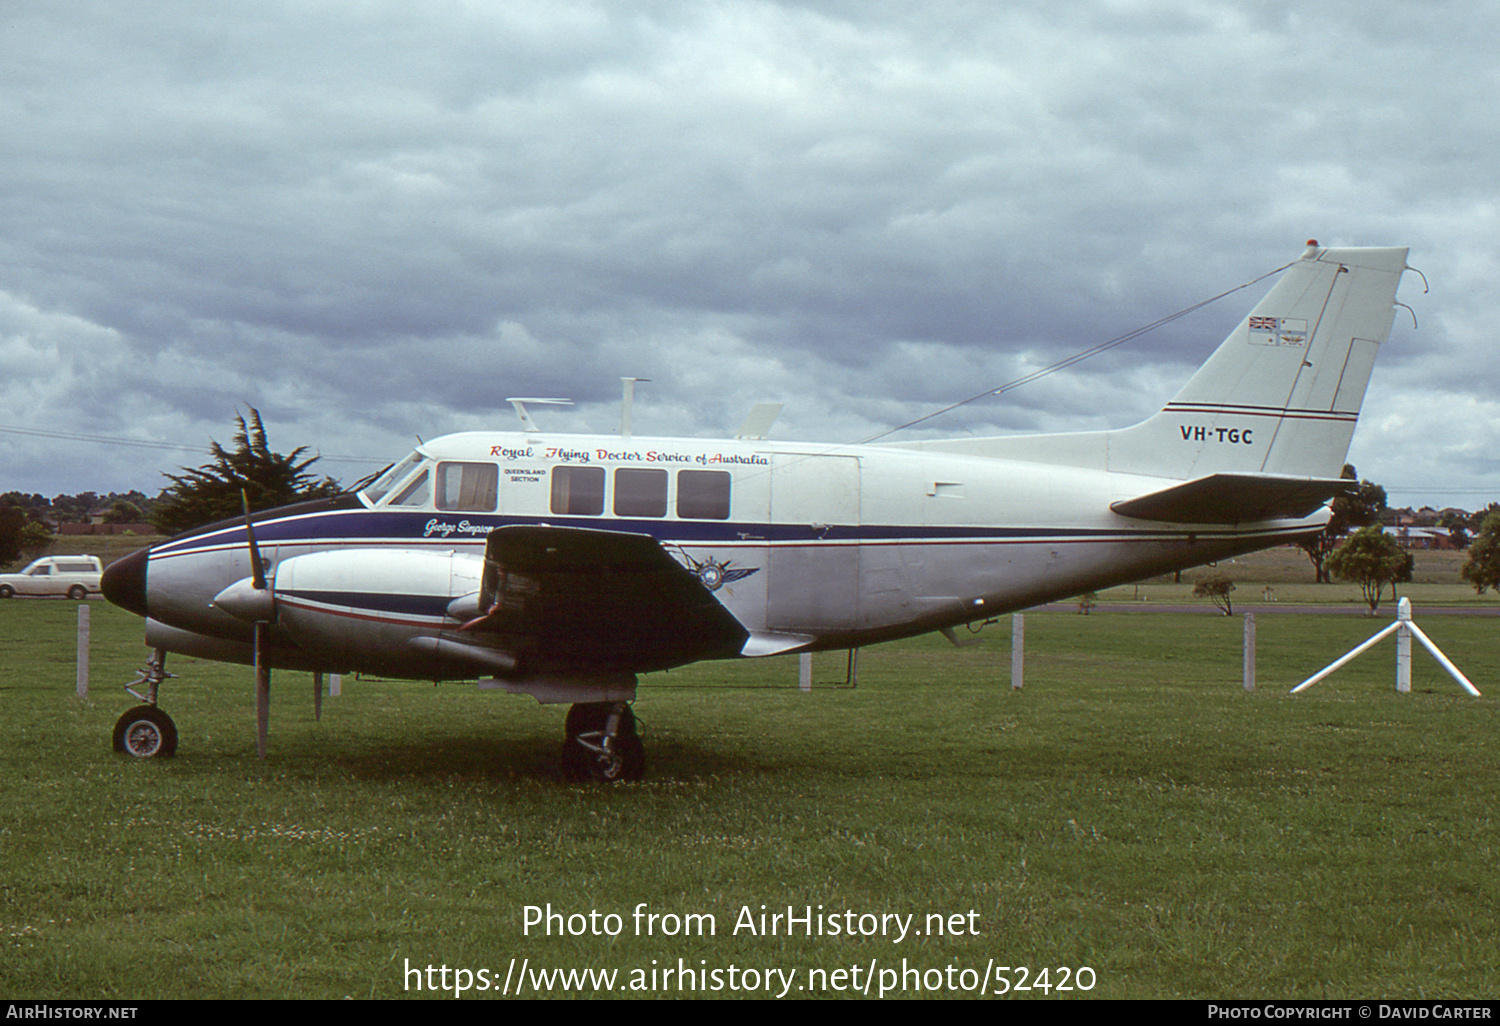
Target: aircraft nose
x,y
124,582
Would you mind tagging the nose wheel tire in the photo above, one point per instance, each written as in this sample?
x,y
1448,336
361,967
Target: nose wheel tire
x,y
146,732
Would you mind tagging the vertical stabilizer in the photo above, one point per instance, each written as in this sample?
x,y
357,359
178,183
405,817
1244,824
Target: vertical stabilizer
x,y
1282,393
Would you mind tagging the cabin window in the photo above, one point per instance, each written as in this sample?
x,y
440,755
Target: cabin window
x,y
471,487
703,494
415,493
640,493
578,490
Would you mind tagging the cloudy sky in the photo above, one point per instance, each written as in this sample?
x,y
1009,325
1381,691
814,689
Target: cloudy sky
x,y
376,219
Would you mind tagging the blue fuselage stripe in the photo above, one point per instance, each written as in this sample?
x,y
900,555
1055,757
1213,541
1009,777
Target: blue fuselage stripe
x,y
385,527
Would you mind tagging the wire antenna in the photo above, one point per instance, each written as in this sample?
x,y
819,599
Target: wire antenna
x,y
1077,357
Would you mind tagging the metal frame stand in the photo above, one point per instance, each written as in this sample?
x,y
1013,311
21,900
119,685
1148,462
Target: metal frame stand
x,y
1404,629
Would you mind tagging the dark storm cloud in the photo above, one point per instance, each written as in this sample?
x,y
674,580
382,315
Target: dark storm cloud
x,y
374,220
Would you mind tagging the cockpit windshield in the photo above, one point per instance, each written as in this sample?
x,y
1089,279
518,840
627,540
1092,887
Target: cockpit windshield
x,y
377,489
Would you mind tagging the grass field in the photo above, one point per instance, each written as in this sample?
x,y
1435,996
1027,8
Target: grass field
x,y
1133,810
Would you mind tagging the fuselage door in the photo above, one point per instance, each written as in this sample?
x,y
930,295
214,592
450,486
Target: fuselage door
x,y
814,562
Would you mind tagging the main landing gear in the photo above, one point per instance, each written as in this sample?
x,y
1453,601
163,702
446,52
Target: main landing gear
x,y
146,732
601,743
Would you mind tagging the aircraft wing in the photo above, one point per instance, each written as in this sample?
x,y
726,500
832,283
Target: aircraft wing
x,y
578,599
1235,499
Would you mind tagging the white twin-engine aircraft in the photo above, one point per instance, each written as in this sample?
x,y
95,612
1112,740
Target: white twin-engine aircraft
x,y
564,566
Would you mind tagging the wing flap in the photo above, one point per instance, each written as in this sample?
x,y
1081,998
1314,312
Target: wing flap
x,y
1235,499
575,598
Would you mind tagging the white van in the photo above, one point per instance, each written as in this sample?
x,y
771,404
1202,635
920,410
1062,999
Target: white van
x,y
73,576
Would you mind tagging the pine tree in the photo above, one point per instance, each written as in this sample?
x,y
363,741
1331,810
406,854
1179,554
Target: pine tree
x,y
212,492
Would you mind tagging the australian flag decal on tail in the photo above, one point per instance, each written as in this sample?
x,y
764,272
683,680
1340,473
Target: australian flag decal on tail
x,y
1278,331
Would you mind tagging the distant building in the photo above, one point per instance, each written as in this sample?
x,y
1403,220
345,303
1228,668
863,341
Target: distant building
x,y
1421,537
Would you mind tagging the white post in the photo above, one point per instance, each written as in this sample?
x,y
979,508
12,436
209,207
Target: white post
x,y
804,675
83,650
1017,649
1403,645
335,684
1249,651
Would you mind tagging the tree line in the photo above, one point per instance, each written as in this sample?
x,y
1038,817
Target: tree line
x,y
1355,547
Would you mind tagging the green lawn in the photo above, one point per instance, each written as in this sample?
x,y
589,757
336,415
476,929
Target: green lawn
x,y
1133,810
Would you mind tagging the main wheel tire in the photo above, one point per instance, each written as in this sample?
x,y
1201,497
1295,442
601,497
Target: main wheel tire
x,y
146,732
629,762
580,763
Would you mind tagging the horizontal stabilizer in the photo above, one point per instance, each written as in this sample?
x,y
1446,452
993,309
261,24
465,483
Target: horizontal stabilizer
x,y
1235,499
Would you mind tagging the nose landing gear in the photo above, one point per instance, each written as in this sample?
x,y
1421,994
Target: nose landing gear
x,y
146,732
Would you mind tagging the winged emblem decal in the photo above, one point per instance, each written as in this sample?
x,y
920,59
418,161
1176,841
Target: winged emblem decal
x,y
716,573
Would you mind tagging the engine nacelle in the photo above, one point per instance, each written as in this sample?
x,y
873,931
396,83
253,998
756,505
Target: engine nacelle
x,y
369,605
378,610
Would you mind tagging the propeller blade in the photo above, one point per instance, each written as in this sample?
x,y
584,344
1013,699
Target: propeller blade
x,y
262,607
262,691
257,565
